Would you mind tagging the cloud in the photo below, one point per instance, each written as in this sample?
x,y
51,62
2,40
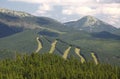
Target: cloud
x,y
108,8
44,8
67,11
83,10
37,1
111,9
113,20
109,1
82,7
53,1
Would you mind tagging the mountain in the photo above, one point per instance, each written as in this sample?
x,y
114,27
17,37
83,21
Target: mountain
x,y
91,24
5,30
19,32
106,35
19,21
25,42
14,13
117,32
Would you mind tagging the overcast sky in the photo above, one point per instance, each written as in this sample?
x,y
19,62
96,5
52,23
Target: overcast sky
x,y
68,10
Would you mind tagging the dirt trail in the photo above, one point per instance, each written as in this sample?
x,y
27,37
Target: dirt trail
x,y
94,58
77,51
66,52
53,45
39,45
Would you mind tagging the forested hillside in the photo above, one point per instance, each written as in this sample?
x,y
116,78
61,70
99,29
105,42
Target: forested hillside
x,y
49,66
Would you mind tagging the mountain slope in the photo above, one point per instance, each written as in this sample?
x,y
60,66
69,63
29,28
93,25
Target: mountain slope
x,y
91,24
25,29
106,35
25,20
5,30
117,32
21,21
106,49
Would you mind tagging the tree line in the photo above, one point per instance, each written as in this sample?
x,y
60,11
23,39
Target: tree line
x,y
49,66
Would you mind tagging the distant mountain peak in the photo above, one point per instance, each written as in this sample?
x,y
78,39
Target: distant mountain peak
x,y
90,18
90,21
15,13
91,24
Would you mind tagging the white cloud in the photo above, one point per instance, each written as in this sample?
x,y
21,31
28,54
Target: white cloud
x,y
55,1
83,10
37,1
43,9
111,9
67,12
109,1
113,20
80,7
92,9
98,0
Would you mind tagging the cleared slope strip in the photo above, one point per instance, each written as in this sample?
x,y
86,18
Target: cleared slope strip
x,y
94,58
53,45
66,52
77,51
39,45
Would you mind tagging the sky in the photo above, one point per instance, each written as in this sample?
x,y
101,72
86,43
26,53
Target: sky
x,y
68,10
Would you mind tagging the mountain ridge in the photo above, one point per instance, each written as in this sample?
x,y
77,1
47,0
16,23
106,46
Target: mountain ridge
x,y
24,30
17,20
15,13
90,24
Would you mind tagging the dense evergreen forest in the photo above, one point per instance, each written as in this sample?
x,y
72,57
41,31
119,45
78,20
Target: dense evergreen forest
x,y
49,66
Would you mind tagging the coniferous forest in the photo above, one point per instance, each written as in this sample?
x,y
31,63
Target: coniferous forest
x,y
49,66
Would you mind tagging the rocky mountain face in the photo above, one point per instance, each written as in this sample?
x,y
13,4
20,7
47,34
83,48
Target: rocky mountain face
x,y
15,13
91,24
